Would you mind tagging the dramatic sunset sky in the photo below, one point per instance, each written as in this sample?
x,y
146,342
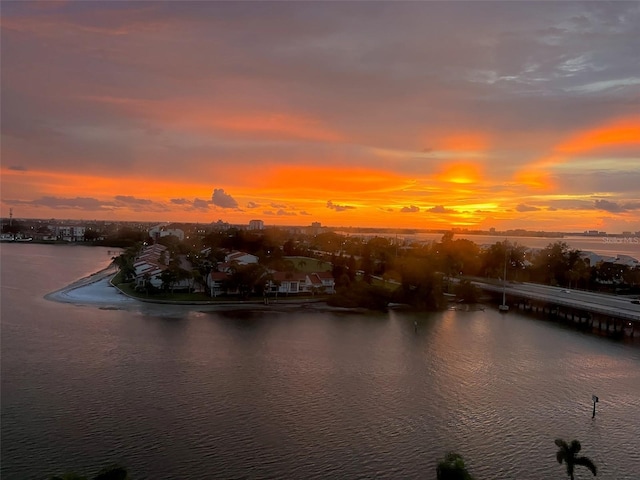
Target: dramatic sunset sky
x,y
391,114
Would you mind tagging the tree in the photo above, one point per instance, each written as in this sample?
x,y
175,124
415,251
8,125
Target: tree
x,y
493,260
420,286
169,278
569,454
452,467
558,265
199,281
245,278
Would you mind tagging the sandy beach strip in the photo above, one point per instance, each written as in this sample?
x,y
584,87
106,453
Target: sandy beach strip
x,y
95,289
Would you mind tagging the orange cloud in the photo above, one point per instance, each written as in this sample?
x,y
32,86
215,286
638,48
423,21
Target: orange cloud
x,y
187,115
464,142
624,131
65,184
621,132
536,179
328,181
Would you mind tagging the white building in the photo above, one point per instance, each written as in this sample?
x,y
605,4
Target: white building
x,y
69,233
160,231
241,258
296,282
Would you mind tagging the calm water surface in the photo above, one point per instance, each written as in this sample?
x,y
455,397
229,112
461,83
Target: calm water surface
x,y
178,394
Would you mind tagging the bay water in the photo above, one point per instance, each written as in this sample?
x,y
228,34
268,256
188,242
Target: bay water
x,y
174,392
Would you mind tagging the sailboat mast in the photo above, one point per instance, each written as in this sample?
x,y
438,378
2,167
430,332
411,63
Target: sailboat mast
x,y
504,307
504,279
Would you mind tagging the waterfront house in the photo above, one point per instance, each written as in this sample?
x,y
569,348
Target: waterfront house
x,y
297,282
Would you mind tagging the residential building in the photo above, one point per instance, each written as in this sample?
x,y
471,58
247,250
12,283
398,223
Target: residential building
x,y
160,231
256,225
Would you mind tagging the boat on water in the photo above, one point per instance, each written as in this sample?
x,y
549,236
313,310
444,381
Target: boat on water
x,y
12,238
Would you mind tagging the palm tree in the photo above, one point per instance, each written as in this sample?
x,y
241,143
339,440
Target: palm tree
x,y
569,455
452,467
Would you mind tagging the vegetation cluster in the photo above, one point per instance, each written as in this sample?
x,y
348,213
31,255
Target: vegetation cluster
x,y
372,272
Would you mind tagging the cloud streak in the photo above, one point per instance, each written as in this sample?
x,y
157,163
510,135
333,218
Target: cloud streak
x,y
338,207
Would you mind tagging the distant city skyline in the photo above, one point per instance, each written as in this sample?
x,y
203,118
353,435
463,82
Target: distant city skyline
x,y
422,115
625,236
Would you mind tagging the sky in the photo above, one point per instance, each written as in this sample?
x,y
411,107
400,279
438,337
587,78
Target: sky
x,y
423,115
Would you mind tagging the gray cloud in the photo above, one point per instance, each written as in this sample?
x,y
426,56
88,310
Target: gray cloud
x,y
526,208
338,208
222,199
608,206
80,203
282,212
196,204
130,200
411,209
93,204
199,204
440,209
18,168
615,207
139,204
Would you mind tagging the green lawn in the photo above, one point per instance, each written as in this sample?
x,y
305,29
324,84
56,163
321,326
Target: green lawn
x,y
310,265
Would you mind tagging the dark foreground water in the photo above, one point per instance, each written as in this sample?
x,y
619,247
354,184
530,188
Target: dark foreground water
x,y
175,394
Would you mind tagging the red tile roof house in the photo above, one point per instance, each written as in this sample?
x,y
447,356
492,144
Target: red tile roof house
x,y
327,280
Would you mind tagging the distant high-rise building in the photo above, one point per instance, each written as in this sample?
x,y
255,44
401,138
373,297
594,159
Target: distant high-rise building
x,y
256,225
315,229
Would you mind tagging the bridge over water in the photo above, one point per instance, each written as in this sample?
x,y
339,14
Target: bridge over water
x,y
595,306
